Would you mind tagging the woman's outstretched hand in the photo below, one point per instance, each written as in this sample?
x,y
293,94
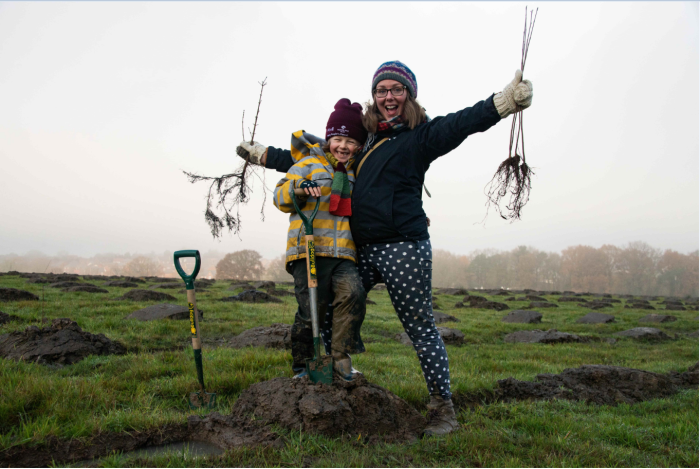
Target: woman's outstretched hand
x,y
253,153
516,96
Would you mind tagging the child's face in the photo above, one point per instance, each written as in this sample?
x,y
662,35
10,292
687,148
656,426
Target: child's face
x,y
342,148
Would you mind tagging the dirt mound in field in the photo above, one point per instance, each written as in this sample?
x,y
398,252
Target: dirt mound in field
x,y
253,296
5,318
598,384
278,336
146,295
13,294
63,343
357,407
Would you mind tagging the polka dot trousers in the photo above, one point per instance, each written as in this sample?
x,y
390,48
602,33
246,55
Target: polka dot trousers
x,y
407,270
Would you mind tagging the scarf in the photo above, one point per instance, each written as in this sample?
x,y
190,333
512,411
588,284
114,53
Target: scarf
x,y
393,125
340,188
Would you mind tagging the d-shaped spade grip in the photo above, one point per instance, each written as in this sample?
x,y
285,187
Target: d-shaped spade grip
x,y
189,279
308,222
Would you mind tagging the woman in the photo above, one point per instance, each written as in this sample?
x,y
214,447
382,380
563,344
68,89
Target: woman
x,y
388,222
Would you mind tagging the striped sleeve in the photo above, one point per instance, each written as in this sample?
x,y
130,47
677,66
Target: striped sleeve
x,y
284,190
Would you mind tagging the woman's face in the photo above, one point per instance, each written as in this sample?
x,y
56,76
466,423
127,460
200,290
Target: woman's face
x,y
391,106
342,148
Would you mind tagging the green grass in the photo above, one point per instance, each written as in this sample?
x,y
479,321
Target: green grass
x,y
147,388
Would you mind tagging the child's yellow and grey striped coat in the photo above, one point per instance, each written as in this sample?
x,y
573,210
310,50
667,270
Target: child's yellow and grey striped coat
x,y
331,233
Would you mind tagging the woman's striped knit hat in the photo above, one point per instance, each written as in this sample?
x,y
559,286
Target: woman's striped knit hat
x,y
398,71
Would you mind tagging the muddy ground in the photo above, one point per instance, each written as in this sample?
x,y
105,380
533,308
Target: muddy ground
x,y
62,343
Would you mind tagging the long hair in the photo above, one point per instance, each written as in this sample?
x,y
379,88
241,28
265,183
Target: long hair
x,y
413,113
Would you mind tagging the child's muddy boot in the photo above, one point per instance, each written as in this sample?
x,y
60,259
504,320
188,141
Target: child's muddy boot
x,y
441,417
342,364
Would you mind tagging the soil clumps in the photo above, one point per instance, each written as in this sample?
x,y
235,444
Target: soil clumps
x,y
644,333
452,291
552,336
598,384
441,317
63,343
277,336
120,284
658,318
253,296
5,318
146,295
356,407
69,284
596,318
645,306
13,294
84,288
163,311
523,317
541,304
166,286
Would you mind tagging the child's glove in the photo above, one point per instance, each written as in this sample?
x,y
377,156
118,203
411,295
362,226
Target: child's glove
x,y
516,96
251,152
310,187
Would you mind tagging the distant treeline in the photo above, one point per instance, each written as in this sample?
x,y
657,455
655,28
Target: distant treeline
x,y
635,269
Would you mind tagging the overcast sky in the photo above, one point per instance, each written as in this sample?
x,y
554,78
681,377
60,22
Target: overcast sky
x,y
103,104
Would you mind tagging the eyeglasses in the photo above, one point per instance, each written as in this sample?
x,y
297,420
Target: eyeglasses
x,y
382,92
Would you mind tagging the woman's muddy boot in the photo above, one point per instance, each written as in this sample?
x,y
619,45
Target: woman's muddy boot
x,y
441,417
342,364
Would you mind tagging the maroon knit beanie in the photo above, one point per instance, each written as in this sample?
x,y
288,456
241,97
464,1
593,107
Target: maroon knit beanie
x,y
346,121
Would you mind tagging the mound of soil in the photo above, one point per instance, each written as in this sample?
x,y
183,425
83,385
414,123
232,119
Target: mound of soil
x,y
441,317
379,286
596,318
645,306
84,288
498,292
598,384
244,286
291,293
166,286
474,299
674,307
39,280
134,280
571,299
523,317
552,336
541,304
62,343
452,291
253,296
163,311
120,284
277,336
658,318
491,305
596,304
357,407
367,301
264,284
535,298
646,333
638,302
227,431
146,295
13,294
5,318
459,304
69,284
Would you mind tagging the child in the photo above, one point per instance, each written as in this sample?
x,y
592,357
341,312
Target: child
x,y
327,172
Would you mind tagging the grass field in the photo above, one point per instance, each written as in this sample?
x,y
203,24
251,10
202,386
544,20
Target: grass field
x,y
147,388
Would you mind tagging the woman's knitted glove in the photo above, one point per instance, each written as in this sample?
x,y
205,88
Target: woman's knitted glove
x,y
516,96
255,151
